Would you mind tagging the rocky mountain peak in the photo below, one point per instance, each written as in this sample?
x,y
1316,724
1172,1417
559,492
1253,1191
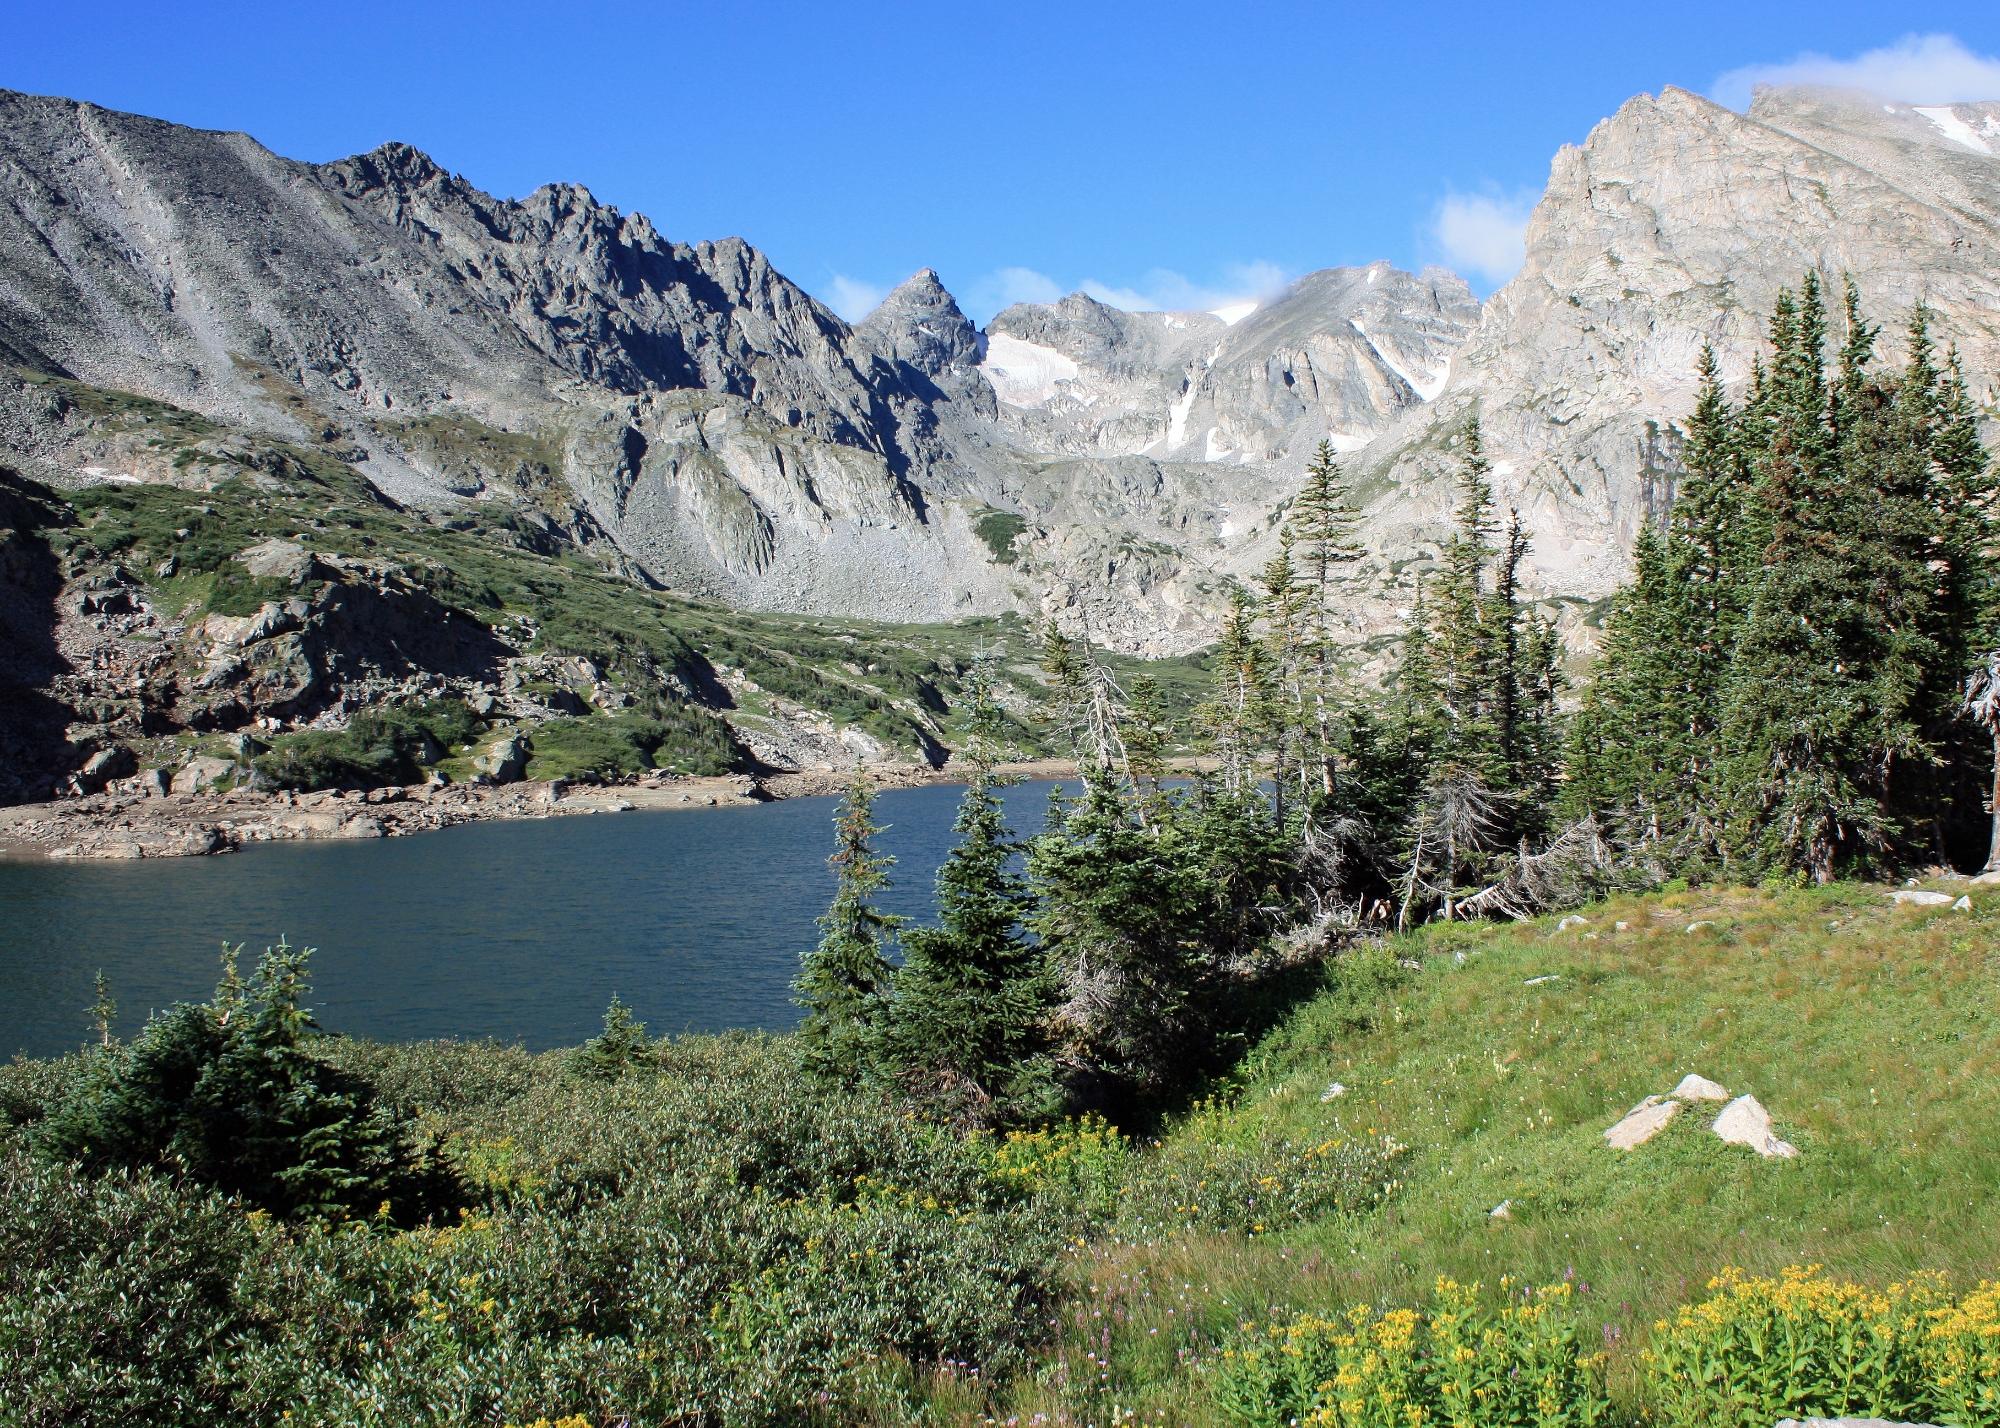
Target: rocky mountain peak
x,y
920,323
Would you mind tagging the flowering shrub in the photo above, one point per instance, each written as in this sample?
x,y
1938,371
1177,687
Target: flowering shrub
x,y
1803,1345
1082,1159
1468,1360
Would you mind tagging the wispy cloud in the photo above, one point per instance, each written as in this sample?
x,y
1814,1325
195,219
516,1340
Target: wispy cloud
x,y
1483,234
1164,290
1158,290
852,298
1917,69
1006,286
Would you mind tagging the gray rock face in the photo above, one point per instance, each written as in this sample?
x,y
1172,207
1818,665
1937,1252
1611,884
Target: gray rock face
x,y
920,325
506,761
707,425
1336,355
1675,224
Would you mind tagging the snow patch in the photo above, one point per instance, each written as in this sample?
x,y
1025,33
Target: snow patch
x,y
1426,388
1954,128
1177,418
1346,441
1233,313
1024,374
1211,449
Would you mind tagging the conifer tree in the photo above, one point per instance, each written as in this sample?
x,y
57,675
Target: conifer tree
x,y
1286,664
966,1034
842,981
1322,525
1236,712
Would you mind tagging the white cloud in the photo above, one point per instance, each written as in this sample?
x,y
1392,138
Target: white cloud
x,y
1164,290
1917,69
1483,233
852,298
1006,286
1160,290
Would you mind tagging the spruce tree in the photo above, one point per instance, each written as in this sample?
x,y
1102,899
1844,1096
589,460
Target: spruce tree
x,y
966,1032
842,981
1322,525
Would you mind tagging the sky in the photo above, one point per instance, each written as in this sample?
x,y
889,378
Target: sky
x,y
1161,154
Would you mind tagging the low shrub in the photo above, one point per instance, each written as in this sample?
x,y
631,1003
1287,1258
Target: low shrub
x,y
116,1298
618,745
1506,1360
378,748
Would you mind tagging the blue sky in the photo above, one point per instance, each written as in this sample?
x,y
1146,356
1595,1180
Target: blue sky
x,y
1157,154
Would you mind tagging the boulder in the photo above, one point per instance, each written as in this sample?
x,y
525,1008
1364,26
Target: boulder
x,y
104,766
1744,1121
1573,920
1642,1123
1920,897
506,761
1964,904
198,775
1698,1088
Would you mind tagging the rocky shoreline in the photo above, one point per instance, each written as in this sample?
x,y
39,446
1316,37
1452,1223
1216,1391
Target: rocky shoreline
x,y
126,825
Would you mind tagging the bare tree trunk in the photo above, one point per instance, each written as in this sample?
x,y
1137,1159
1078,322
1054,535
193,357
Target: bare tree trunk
x,y
1993,850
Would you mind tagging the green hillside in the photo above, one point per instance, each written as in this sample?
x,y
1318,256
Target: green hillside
x,y
1870,1031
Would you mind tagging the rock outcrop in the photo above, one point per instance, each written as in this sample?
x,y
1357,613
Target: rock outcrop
x,y
1675,224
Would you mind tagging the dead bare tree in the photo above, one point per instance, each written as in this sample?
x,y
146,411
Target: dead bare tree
x,y
1982,702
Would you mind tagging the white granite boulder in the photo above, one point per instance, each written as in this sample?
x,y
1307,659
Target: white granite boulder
x,y
1642,1123
1744,1121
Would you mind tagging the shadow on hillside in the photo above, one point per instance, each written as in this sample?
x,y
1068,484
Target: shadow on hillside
x,y
35,754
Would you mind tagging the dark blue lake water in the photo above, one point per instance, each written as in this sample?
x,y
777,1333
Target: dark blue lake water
x,y
520,931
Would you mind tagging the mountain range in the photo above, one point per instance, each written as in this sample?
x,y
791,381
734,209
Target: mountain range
x,y
183,308
707,426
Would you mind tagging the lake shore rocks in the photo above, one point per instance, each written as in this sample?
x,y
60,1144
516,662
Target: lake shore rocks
x,y
192,822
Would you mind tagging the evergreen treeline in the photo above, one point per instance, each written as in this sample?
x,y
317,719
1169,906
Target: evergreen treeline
x,y
1787,688
1800,683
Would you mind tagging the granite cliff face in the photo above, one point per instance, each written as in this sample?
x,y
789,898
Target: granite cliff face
x,y
1674,224
692,419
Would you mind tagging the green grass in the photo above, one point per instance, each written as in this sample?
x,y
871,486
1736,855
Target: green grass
x,y
1000,529
1872,1034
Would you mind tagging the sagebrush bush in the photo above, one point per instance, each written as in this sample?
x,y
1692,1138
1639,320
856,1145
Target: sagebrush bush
x,y
1510,1359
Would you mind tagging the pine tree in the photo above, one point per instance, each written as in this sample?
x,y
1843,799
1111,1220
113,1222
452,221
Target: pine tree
x,y
966,1032
618,1047
1286,663
1236,712
842,981
1149,737
229,1094
1322,525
